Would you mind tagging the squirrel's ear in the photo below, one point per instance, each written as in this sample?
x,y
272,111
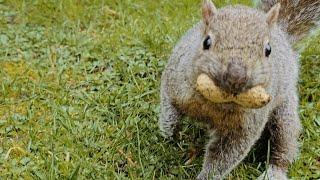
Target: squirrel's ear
x,y
272,15
208,11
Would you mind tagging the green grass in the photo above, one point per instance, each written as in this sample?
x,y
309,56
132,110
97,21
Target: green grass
x,y
79,92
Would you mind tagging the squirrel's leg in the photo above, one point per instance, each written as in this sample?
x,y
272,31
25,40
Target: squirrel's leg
x,y
169,115
224,153
284,128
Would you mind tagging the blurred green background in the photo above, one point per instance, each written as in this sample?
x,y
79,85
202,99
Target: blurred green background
x,y
79,92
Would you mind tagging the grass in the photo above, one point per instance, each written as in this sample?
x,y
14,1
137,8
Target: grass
x,y
80,92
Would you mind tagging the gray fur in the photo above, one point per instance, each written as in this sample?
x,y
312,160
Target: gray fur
x,y
237,32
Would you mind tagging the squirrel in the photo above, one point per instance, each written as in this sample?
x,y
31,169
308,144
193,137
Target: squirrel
x,y
238,48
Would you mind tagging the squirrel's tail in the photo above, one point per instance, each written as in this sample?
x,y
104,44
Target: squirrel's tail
x,y
297,17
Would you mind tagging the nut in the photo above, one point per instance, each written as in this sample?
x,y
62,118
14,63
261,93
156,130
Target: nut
x,y
255,97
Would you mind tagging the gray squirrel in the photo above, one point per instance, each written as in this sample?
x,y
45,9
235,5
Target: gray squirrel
x,y
240,47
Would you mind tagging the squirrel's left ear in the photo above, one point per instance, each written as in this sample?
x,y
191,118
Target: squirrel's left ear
x,y
208,11
272,15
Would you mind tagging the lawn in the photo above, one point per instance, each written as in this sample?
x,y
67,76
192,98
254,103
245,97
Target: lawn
x,y
79,94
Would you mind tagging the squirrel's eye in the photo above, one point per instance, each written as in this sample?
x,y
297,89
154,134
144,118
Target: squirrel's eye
x,y
267,50
207,43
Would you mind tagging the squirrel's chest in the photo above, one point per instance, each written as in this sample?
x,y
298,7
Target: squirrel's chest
x,y
222,118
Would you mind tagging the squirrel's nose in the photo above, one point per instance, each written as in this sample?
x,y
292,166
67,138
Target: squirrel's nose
x,y
235,78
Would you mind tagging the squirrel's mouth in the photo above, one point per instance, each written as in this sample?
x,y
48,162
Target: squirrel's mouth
x,y
256,97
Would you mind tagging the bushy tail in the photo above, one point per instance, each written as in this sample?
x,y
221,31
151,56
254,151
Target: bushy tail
x,y
297,17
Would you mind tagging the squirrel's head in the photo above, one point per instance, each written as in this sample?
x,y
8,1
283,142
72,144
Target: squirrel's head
x,y
236,47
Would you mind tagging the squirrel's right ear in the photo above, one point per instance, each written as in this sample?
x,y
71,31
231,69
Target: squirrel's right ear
x,y
272,15
208,11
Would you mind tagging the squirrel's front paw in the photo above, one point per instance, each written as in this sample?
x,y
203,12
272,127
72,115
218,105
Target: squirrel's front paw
x,y
167,132
207,175
273,173
203,175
